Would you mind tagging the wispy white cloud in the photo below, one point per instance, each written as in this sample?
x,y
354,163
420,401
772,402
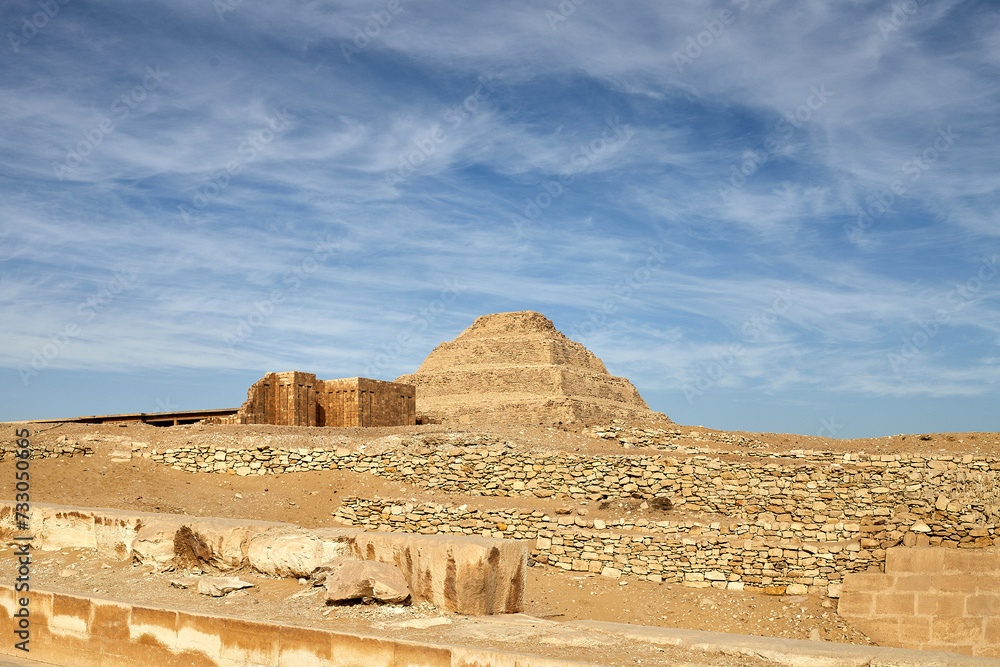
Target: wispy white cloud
x,y
431,153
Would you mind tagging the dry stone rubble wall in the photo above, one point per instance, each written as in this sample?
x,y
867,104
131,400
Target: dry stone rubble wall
x,y
750,517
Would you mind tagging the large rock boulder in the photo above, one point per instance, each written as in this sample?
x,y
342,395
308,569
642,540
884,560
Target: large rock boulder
x,y
228,540
326,570
296,552
185,541
154,543
360,579
467,575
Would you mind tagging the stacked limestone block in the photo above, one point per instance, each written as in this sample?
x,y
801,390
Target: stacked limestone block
x,y
516,368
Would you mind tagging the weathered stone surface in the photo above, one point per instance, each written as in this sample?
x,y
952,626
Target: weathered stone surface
x,y
190,549
468,575
115,532
227,539
779,651
517,368
66,529
422,623
297,552
286,552
184,541
327,569
298,399
359,579
219,586
154,543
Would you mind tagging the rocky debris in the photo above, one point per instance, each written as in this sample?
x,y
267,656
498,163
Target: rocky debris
x,y
219,586
471,575
366,581
190,549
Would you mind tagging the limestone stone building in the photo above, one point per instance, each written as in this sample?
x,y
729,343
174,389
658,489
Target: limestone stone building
x,y
299,399
516,368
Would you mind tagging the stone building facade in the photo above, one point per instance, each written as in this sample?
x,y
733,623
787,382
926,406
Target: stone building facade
x,y
298,399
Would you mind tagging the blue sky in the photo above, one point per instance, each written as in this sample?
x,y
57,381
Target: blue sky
x,y
769,216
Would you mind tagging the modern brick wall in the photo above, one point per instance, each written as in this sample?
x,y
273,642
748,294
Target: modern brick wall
x,y
931,599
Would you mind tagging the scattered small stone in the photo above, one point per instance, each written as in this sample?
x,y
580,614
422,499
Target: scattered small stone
x,y
220,586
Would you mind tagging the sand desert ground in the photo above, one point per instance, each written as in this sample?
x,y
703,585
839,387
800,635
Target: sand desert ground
x,y
312,499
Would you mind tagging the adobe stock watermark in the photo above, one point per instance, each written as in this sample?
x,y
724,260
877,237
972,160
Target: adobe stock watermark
x,y
612,138
418,322
901,14
166,405
372,29
566,9
223,7
958,298
878,204
752,331
86,312
828,428
121,107
33,24
784,130
624,288
426,144
292,281
699,42
246,152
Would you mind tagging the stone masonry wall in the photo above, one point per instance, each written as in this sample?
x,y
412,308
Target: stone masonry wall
x,y
938,496
766,521
696,553
756,519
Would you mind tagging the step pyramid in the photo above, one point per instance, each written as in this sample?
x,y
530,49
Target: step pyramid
x,y
517,368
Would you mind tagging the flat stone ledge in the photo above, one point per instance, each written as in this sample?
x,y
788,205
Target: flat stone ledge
x,y
789,652
467,575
